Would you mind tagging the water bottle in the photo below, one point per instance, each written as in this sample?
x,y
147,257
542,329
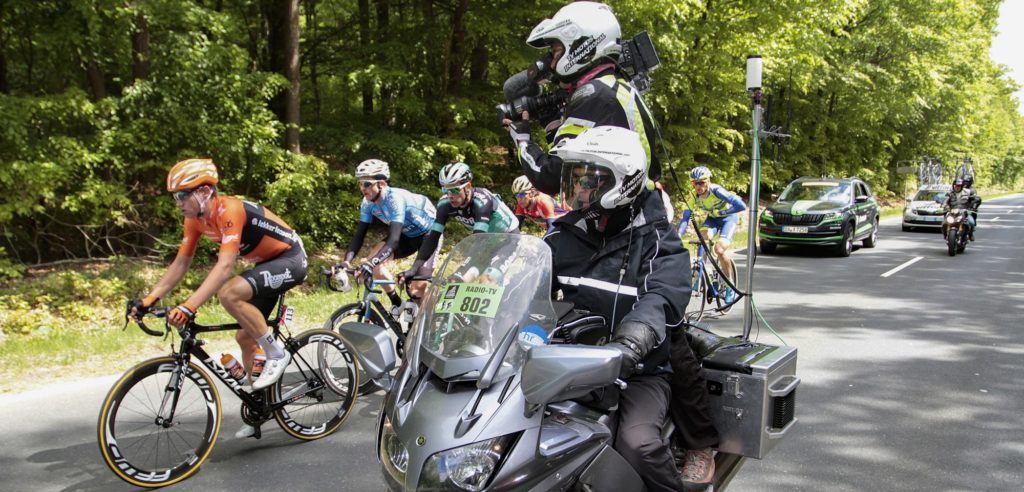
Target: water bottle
x,y
233,367
258,361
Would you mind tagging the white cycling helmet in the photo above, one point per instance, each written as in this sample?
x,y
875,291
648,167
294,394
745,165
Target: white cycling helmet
x,y
373,168
522,184
454,174
588,30
603,168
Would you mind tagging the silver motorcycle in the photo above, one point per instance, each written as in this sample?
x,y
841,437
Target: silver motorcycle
x,y
497,390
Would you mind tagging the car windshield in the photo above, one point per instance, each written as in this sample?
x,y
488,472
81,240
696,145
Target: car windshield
x,y
489,284
824,190
930,195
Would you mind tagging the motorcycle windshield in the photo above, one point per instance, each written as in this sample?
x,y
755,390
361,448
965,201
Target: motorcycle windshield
x,y
489,285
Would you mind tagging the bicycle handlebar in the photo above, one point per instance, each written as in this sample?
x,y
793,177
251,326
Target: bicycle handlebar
x,y
156,313
331,281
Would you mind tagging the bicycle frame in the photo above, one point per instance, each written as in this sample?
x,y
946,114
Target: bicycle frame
x,y
703,256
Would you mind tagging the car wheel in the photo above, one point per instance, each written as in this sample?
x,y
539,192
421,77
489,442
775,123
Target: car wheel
x,y
767,247
872,239
845,247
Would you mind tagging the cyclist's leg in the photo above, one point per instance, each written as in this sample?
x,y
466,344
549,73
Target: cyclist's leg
x,y
728,230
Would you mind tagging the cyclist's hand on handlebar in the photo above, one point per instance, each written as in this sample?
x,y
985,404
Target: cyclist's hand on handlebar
x,y
139,307
181,314
364,270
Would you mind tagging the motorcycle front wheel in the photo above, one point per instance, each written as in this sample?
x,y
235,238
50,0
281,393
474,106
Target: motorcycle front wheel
x,y
951,238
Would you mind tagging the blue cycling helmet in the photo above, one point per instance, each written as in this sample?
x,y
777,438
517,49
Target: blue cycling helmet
x,y
700,173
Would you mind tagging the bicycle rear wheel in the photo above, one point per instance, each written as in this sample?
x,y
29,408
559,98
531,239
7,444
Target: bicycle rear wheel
x,y
720,304
137,441
355,312
319,386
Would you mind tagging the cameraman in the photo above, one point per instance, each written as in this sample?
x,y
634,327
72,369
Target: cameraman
x,y
584,41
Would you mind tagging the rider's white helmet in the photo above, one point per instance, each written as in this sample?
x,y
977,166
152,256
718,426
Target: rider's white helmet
x,y
373,168
588,30
603,168
522,184
454,174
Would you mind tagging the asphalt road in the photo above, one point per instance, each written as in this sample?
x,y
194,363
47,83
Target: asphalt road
x,y
910,381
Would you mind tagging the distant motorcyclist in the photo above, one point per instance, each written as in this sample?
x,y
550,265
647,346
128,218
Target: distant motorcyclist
x,y
965,198
615,254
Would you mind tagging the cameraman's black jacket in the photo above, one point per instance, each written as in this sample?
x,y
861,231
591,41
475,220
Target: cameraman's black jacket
x,y
586,267
606,99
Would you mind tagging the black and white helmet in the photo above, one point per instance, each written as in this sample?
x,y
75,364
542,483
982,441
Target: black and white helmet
x,y
588,30
454,174
603,168
373,168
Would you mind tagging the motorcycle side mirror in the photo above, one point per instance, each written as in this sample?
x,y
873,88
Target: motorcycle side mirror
x,y
861,198
562,372
775,197
373,348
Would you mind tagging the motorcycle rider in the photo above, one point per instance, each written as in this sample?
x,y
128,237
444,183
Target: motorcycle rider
x,y
966,198
476,208
615,254
584,41
408,217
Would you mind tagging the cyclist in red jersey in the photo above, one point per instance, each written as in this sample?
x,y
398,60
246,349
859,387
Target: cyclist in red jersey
x,y
531,204
243,229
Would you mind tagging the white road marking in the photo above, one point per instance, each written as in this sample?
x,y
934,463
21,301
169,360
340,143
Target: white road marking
x,y
905,265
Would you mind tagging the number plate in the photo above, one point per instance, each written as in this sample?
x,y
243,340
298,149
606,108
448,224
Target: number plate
x,y
471,299
795,229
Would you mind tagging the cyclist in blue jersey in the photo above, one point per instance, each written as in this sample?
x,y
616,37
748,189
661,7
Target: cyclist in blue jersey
x,y
723,210
409,216
475,208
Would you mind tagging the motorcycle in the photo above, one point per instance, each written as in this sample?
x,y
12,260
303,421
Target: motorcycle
x,y
504,389
955,230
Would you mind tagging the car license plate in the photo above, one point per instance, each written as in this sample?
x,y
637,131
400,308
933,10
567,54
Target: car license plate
x,y
932,219
795,229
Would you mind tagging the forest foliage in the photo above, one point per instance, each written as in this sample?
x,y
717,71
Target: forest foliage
x,y
100,97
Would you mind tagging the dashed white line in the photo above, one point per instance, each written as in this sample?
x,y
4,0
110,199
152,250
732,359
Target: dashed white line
x,y
905,265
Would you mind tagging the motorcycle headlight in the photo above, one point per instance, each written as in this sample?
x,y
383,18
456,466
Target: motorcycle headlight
x,y
393,452
469,467
950,219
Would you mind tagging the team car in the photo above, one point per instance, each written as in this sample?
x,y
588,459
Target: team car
x,y
924,210
821,212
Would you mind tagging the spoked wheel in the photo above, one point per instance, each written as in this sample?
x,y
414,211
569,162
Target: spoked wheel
x,y
319,386
720,303
355,312
845,247
151,435
698,294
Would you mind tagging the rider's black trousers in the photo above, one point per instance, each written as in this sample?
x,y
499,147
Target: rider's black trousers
x,y
642,411
689,405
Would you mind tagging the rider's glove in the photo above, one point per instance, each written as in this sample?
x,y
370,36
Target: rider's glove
x,y
140,306
634,340
365,270
520,131
181,314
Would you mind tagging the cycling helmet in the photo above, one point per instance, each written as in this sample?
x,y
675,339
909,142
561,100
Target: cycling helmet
x,y
190,174
588,30
700,173
455,174
373,168
607,162
522,184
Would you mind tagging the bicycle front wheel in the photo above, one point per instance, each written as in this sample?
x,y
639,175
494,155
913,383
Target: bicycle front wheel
x,y
698,293
319,386
159,422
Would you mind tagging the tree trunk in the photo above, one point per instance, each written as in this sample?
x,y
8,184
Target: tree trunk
x,y
97,85
456,56
4,88
478,62
383,21
140,48
311,58
282,18
366,42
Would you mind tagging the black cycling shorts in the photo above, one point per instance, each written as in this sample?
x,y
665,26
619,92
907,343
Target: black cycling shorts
x,y
274,277
411,245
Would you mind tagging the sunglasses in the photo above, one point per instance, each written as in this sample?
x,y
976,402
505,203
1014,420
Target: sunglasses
x,y
182,195
454,191
521,195
695,182
590,181
366,184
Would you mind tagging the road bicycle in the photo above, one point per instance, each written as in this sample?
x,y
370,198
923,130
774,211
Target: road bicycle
x,y
369,309
707,281
161,419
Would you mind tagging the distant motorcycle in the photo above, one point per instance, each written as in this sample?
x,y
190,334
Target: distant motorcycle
x,y
956,230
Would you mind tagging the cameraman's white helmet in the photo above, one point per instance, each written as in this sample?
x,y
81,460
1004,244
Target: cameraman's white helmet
x,y
522,184
454,174
588,30
603,168
373,168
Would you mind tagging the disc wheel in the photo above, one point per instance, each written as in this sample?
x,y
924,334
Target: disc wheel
x,y
159,423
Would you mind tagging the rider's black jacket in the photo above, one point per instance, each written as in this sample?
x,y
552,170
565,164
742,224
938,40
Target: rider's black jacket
x,y
607,99
656,285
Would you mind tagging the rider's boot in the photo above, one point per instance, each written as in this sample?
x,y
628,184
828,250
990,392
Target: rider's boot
x,y
698,469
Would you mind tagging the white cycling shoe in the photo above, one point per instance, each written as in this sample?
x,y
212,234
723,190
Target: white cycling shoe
x,y
246,431
272,371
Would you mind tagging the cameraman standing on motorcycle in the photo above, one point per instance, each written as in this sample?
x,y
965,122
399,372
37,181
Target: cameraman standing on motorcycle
x,y
965,198
615,254
584,41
